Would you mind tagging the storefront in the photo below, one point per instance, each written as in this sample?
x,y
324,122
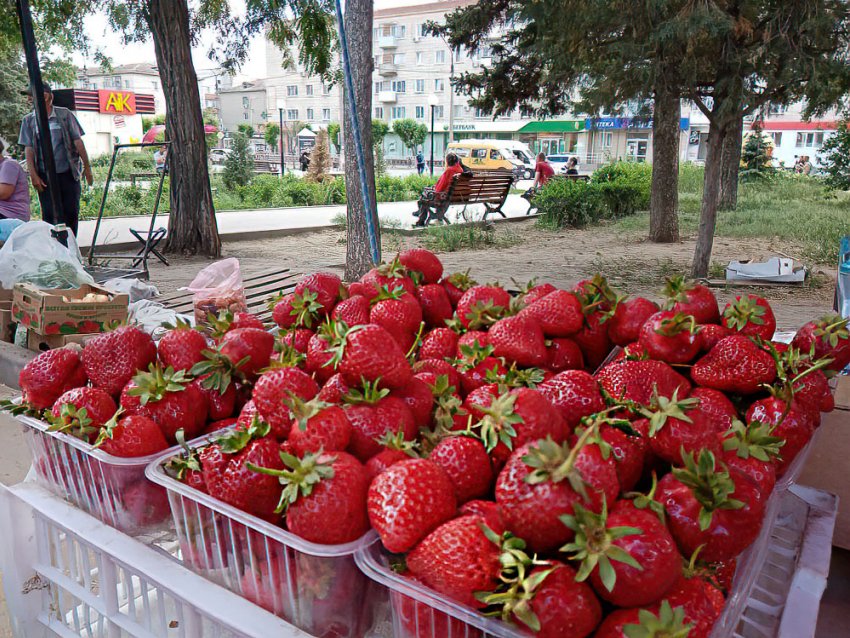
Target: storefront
x,y
555,137
622,138
792,140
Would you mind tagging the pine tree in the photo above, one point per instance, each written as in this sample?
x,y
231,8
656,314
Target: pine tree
x,y
834,157
239,165
320,158
756,158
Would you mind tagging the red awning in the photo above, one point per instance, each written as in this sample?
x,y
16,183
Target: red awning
x,y
798,126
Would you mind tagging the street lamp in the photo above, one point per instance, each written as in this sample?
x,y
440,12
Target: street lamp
x,y
280,138
433,101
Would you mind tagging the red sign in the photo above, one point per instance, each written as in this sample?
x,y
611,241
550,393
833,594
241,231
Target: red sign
x,y
118,102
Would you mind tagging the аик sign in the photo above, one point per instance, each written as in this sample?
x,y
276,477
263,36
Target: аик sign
x,y
117,102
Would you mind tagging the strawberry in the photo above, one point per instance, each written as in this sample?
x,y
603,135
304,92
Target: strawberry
x,y
489,510
143,505
638,381
113,358
535,292
596,293
692,299
753,450
678,427
482,306
399,314
810,386
273,395
228,478
419,398
544,480
440,343
170,399
632,352
593,340
478,368
298,339
390,275
182,347
408,501
466,463
663,621
472,338
458,559
221,405
215,426
320,359
354,311
718,405
51,374
295,310
374,415
395,449
789,424
423,265
82,412
249,349
628,555
751,316
324,496
247,414
563,354
131,436
559,313
689,594
710,334
519,340
456,285
438,367
575,394
628,318
227,321
826,337
629,453
325,286
436,306
369,353
671,337
318,426
711,506
735,365
334,390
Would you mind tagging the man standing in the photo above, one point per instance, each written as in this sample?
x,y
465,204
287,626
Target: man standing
x,y
420,162
70,156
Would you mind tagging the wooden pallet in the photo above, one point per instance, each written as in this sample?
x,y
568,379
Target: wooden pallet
x,y
260,288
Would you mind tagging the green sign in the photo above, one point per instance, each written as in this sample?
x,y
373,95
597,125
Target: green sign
x,y
554,126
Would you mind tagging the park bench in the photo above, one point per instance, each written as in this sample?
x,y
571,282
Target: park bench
x,y
489,189
531,193
147,176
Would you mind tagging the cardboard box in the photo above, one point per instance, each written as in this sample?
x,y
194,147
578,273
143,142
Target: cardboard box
x,y
40,343
5,294
50,312
7,326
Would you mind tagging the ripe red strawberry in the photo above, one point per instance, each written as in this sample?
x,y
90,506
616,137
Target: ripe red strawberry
x,y
318,426
718,405
689,594
458,559
713,507
220,404
384,459
215,426
661,619
711,333
256,345
559,313
628,554
297,339
575,394
320,359
439,368
422,264
408,501
227,321
273,396
671,337
472,338
325,285
519,340
537,292
789,424
563,354
638,381
629,452
50,375
436,306
735,365
399,314
334,390
297,311
170,399
593,340
753,449
456,285
751,316
465,461
182,347
538,484
369,353
812,393
390,275
482,306
354,311
628,318
826,337
131,436
111,359
440,343
692,299
419,398
596,293
632,352
678,427
82,412
477,367
490,511
376,416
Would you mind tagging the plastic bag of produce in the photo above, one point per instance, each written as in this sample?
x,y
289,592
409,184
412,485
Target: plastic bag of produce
x,y
33,255
218,287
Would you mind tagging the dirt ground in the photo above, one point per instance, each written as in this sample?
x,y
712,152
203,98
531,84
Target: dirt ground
x,y
559,257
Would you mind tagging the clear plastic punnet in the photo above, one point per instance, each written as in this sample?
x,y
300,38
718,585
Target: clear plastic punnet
x,y
317,588
110,488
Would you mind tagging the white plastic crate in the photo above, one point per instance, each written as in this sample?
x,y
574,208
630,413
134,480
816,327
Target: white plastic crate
x,y
67,574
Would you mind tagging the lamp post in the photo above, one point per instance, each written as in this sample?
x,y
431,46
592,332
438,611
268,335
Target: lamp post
x,y
280,143
433,100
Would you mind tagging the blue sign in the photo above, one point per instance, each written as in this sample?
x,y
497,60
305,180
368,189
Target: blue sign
x,y
609,123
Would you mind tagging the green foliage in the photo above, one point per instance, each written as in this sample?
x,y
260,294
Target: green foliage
x,y
468,237
624,186
755,159
272,135
379,131
411,133
564,203
691,178
380,162
834,158
333,134
211,139
239,164
247,129
13,105
402,189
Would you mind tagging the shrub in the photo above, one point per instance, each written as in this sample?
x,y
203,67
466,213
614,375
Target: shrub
x,y
568,204
625,186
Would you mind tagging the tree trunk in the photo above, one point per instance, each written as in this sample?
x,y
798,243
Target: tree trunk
x,y
710,193
192,225
358,31
664,190
730,164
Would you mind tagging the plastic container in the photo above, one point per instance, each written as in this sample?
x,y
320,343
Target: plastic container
x,y
317,588
110,488
66,574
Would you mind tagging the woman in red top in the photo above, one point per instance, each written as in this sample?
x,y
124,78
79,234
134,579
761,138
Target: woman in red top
x,y
453,167
542,171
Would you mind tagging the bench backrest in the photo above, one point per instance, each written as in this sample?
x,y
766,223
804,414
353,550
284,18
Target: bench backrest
x,y
480,188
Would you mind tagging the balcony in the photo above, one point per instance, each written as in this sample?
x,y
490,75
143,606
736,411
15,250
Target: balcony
x,y
387,69
387,41
387,97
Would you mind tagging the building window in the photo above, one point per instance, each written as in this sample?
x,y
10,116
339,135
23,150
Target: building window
x,y
439,112
292,90
398,112
398,87
399,31
420,86
309,114
377,87
458,110
607,140
419,57
155,85
308,89
420,30
480,113
440,57
420,112
376,33
326,90
326,114
439,85
819,139
810,139
127,84
777,139
244,102
398,58
245,115
292,114
379,113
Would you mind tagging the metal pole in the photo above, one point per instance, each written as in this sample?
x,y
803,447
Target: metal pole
x,y
280,141
432,140
44,138
451,99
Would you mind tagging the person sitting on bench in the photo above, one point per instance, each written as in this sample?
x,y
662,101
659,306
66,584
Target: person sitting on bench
x,y
431,195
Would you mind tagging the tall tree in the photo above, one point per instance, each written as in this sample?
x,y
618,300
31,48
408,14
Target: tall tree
x,y
272,135
411,133
730,165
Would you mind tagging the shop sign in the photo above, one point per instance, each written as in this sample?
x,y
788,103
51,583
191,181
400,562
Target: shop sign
x,y
119,121
117,102
608,123
693,137
464,127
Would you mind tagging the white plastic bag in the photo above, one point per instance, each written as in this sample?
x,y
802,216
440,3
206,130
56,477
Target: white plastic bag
x,y
33,255
134,288
218,287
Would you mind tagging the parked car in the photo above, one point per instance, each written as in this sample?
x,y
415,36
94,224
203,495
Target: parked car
x,y
488,155
558,162
219,155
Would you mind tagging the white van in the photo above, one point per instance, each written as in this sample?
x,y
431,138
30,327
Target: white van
x,y
522,153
